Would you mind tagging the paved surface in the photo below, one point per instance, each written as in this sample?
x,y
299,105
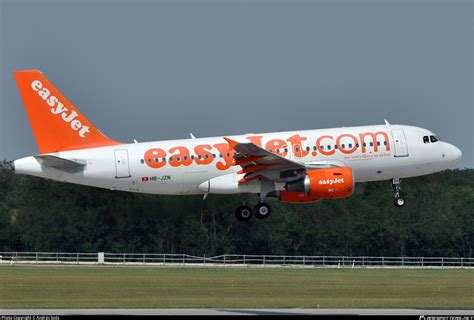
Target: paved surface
x,y
223,311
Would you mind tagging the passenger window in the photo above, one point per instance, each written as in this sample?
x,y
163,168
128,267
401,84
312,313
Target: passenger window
x,y
350,145
322,147
371,144
426,139
433,139
378,143
307,149
314,148
335,146
207,156
185,158
192,157
385,143
343,146
156,159
171,158
329,147
164,159
142,161
149,160
297,149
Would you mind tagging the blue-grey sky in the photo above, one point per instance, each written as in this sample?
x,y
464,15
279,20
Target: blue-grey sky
x,y
152,70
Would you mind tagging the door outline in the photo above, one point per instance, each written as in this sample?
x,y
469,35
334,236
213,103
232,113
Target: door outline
x,y
122,164
400,143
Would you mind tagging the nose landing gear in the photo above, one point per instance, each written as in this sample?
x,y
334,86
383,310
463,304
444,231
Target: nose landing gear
x,y
398,201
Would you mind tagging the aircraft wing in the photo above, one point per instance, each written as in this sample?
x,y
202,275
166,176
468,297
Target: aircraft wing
x,y
67,165
257,162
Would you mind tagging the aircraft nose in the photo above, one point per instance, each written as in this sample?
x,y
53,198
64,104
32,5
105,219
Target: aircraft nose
x,y
456,154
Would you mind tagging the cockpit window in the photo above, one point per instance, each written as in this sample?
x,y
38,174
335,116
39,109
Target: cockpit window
x,y
426,139
433,139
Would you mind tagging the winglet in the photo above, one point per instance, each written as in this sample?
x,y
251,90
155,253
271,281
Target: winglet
x,y
231,142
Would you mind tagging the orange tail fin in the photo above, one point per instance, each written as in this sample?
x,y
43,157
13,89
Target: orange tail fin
x,y
56,122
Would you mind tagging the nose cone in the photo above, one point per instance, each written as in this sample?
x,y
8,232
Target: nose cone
x,y
456,154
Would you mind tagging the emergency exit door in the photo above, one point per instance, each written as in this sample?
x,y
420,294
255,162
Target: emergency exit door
x,y
400,143
122,166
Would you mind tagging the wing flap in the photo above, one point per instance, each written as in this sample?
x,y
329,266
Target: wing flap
x,y
257,162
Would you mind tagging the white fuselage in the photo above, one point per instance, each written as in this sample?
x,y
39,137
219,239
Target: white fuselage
x,y
397,152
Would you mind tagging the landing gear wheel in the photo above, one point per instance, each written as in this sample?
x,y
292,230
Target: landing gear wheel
x,y
262,210
243,213
399,202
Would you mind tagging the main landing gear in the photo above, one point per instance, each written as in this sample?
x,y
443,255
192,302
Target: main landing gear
x,y
398,201
261,211
243,213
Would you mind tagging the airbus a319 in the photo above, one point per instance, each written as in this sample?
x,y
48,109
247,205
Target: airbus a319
x,y
294,166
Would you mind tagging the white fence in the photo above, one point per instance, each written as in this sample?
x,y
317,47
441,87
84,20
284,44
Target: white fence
x,y
231,260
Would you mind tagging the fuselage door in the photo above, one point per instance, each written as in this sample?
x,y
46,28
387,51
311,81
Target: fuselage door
x,y
122,166
400,143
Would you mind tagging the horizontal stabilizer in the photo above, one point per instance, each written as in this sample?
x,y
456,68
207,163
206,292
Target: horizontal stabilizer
x,y
67,165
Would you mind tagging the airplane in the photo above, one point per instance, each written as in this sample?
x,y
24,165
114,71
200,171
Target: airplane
x,y
293,166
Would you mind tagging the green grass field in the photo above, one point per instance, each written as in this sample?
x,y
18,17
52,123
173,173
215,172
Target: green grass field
x,y
158,287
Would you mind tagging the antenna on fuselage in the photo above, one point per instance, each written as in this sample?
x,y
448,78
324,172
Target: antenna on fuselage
x,y
192,135
386,122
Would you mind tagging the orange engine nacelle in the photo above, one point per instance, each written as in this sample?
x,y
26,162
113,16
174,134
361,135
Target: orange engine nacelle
x,y
293,197
331,183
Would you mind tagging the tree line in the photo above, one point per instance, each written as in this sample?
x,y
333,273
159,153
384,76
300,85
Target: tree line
x,y
43,215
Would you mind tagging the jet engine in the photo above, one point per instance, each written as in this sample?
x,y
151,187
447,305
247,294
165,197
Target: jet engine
x,y
330,183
